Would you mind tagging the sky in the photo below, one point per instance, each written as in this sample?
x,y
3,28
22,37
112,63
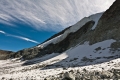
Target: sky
x,y
27,23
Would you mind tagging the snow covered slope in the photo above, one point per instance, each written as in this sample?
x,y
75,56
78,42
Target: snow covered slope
x,y
90,57
73,28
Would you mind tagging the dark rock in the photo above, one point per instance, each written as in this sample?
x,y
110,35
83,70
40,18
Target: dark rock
x,y
97,49
115,45
5,54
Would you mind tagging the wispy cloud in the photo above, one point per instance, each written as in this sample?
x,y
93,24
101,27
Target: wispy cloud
x,y
2,32
54,12
23,38
19,37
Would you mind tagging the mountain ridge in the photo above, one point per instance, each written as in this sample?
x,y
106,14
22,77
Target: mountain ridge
x,y
56,45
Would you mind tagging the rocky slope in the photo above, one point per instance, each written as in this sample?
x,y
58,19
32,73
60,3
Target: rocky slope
x,y
5,54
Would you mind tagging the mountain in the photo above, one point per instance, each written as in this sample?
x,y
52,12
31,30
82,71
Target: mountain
x,y
87,50
64,40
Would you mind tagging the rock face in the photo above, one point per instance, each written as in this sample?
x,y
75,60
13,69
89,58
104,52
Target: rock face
x,y
109,25
5,54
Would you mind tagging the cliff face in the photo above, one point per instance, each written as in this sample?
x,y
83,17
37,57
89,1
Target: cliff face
x,y
109,25
5,54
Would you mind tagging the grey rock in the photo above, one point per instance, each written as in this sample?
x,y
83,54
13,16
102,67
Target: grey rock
x,y
68,76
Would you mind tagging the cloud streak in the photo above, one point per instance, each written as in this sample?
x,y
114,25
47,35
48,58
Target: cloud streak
x,y
23,38
39,13
2,32
19,37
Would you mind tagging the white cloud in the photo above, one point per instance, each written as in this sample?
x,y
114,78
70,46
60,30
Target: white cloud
x,y
2,32
23,38
19,37
54,12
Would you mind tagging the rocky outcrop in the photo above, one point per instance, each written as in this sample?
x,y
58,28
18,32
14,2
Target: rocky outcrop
x,y
29,53
5,54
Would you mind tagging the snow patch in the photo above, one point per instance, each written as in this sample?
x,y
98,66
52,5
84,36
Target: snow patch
x,y
54,40
96,19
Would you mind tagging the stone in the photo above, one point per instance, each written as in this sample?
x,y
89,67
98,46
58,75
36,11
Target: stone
x,y
68,76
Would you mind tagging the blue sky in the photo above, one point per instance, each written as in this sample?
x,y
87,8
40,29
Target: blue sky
x,y
26,23
21,36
